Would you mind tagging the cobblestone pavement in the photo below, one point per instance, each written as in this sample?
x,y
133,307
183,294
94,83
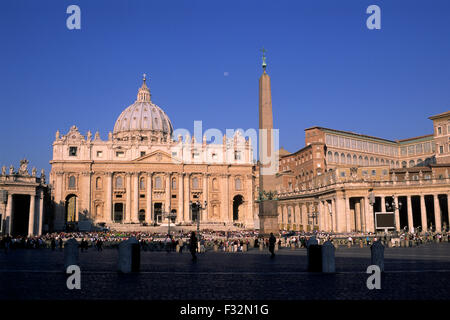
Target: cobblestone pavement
x,y
411,273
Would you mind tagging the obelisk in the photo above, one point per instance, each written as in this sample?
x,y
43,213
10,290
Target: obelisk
x,y
268,157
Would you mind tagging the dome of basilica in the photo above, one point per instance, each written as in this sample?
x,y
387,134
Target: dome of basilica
x,y
143,117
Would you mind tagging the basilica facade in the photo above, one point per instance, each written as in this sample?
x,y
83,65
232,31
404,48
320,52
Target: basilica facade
x,y
141,174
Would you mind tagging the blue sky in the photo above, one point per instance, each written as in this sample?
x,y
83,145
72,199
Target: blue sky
x,y
326,67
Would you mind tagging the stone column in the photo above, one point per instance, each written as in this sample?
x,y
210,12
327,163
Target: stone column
x,y
370,226
333,215
108,201
187,197
397,214
437,213
127,217
167,206
383,204
135,214
8,227
249,221
148,210
41,212
448,210
321,220
358,216
31,215
410,216
347,214
227,199
180,215
305,216
205,198
423,213
362,215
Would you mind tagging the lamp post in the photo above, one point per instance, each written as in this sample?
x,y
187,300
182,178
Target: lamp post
x,y
169,215
200,209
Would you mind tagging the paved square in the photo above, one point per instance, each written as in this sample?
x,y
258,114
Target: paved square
x,y
411,273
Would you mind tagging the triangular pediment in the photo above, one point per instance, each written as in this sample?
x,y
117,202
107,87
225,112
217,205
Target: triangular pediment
x,y
158,156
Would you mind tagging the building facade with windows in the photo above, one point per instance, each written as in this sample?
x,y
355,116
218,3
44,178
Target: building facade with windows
x,y
140,173
340,179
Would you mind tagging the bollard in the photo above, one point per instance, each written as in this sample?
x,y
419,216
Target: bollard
x,y
129,256
314,255
377,255
71,253
328,261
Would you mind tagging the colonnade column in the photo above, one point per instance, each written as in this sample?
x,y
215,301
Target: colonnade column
x,y
8,228
148,210
304,216
369,215
383,204
396,214
135,214
41,212
410,216
180,215
108,202
128,201
347,214
448,211
167,206
437,213
187,198
321,216
358,224
362,215
229,214
423,213
204,212
333,212
31,215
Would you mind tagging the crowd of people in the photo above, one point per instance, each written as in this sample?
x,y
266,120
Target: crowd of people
x,y
228,241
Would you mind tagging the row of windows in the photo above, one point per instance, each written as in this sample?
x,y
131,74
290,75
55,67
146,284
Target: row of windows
x,y
440,130
349,159
418,148
119,183
367,146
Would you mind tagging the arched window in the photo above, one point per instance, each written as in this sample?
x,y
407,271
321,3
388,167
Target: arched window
x,y
98,183
371,161
397,164
158,183
366,161
72,182
119,182
237,184
142,184
382,161
336,157
355,159
360,159
403,164
214,184
349,159
174,183
411,163
342,158
377,161
195,183
330,156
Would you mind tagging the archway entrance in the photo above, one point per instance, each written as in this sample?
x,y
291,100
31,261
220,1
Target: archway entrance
x,y
237,201
157,212
118,212
195,212
20,214
141,215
